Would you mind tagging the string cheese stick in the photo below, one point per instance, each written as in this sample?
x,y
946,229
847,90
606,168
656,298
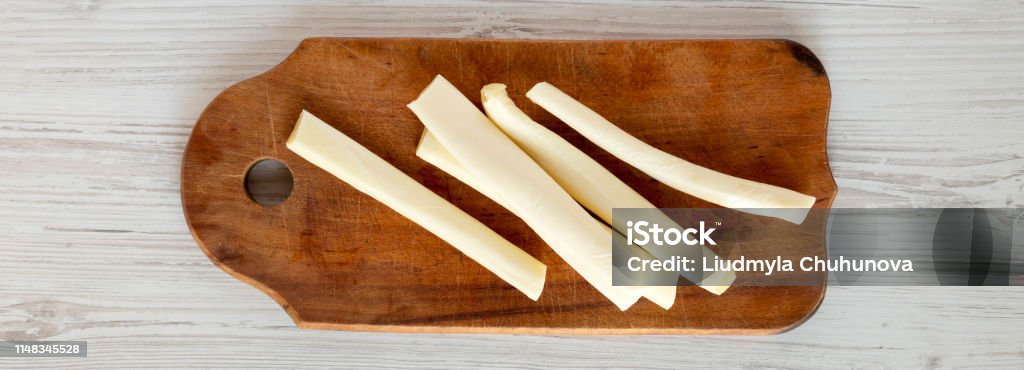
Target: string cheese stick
x,y
712,186
583,178
430,150
351,162
498,164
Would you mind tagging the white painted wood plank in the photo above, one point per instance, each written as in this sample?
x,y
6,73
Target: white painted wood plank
x,y
97,99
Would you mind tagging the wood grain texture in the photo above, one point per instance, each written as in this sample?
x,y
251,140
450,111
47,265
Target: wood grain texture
x,y
335,258
97,99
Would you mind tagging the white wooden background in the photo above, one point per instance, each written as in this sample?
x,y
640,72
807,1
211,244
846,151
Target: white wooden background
x,y
97,99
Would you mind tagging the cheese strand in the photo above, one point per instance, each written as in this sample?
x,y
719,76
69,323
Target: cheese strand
x,y
339,155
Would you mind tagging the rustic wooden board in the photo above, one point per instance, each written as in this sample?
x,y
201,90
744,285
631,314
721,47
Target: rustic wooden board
x,y
336,259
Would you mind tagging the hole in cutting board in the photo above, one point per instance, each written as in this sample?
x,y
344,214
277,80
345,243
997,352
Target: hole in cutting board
x,y
268,182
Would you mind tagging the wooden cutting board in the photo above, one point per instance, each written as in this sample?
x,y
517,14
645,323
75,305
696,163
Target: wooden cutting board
x,y
337,259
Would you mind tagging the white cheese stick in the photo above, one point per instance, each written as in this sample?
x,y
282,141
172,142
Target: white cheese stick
x,y
351,162
430,150
498,164
581,176
712,186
